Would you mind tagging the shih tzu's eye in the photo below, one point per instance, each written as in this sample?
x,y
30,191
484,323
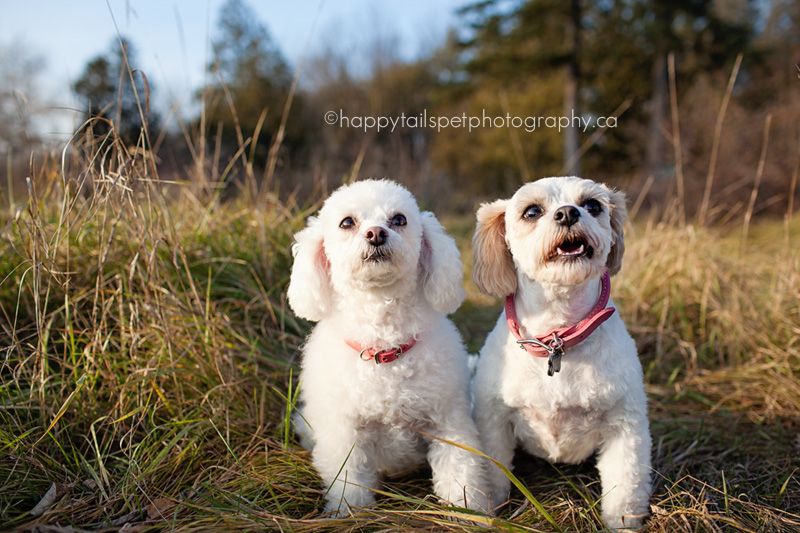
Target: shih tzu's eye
x,y
593,207
347,223
399,220
532,212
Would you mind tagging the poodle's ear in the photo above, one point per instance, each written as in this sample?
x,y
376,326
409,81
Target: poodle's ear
x,y
440,261
309,286
492,266
618,213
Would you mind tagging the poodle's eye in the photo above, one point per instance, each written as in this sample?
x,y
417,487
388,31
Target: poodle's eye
x,y
399,220
532,212
347,223
593,207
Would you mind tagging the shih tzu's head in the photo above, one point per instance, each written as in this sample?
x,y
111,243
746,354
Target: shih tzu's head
x,y
555,230
371,235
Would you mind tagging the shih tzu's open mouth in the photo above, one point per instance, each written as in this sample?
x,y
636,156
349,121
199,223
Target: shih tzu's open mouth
x,y
572,247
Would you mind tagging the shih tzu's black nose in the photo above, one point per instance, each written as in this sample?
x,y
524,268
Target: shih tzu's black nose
x,y
376,235
567,215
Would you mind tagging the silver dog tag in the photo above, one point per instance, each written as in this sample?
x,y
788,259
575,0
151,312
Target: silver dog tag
x,y
554,360
555,351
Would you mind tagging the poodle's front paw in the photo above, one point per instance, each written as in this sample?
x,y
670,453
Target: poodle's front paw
x,y
338,509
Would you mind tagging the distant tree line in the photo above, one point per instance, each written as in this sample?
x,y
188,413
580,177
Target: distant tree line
x,y
531,58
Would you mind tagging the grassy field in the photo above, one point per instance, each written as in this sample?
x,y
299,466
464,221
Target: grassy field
x,y
149,362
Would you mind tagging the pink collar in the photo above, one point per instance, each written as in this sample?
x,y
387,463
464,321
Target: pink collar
x,y
553,344
381,356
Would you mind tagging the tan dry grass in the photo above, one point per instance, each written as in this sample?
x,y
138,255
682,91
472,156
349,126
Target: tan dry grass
x,y
148,362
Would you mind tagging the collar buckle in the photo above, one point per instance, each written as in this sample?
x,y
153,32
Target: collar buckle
x,y
383,356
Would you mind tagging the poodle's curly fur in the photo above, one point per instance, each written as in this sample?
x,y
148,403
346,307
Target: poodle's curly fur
x,y
373,270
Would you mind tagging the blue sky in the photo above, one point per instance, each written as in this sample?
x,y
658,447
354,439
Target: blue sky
x,y
171,36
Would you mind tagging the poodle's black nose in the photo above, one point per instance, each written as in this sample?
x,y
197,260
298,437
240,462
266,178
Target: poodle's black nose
x,y
376,235
567,215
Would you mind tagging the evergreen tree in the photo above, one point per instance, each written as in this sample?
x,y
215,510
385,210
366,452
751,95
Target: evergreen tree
x,y
107,92
534,37
248,76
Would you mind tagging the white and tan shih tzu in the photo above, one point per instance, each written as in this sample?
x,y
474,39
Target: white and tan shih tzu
x,y
383,365
559,374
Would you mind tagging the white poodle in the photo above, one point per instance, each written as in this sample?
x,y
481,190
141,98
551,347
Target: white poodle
x,y
383,361
559,373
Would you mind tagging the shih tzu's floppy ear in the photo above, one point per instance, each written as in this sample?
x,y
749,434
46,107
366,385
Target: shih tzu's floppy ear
x,y
492,266
441,266
309,286
618,213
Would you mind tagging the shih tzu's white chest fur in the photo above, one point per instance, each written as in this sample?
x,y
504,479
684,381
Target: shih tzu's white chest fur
x,y
563,417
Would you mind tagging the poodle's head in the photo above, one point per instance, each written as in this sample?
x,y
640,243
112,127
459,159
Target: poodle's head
x,y
371,235
557,230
